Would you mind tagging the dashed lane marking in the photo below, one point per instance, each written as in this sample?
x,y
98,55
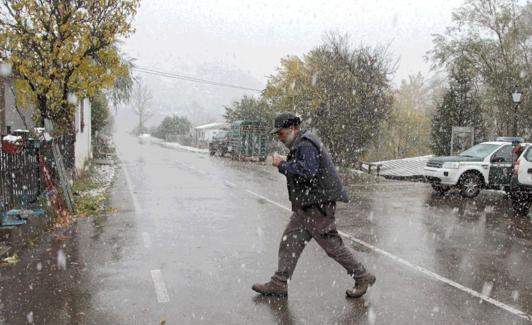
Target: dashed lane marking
x,y
160,287
136,204
268,200
230,184
418,268
147,240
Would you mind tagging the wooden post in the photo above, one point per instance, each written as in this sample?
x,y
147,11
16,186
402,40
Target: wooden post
x,y
63,177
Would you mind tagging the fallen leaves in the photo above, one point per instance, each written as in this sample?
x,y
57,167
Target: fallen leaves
x,y
10,260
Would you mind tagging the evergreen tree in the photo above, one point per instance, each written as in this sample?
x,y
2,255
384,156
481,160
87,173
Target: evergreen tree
x,y
250,108
99,112
343,93
460,107
173,125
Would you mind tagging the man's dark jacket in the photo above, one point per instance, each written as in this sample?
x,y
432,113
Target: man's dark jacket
x,y
311,186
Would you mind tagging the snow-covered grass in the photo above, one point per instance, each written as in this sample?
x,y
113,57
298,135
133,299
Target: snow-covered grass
x,y
179,146
92,188
102,177
148,138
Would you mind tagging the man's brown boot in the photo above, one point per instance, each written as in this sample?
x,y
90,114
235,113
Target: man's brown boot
x,y
271,289
361,286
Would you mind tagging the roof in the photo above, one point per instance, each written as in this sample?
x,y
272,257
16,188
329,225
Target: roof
x,y
500,143
503,142
246,122
212,126
401,168
510,139
495,142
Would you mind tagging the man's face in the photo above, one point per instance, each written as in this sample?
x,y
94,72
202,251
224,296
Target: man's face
x,y
287,136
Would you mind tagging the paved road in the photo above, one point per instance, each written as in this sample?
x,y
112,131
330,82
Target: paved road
x,y
192,233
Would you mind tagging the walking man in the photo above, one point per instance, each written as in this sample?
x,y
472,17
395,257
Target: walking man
x,y
313,189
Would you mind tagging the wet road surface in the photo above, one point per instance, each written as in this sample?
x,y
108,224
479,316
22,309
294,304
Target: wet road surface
x,y
192,233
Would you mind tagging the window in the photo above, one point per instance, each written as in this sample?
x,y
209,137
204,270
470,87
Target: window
x,y
528,155
505,153
480,150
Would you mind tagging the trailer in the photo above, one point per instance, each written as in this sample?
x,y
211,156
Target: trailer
x,y
248,140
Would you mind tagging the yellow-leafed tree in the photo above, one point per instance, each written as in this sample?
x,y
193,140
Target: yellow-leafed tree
x,y
60,50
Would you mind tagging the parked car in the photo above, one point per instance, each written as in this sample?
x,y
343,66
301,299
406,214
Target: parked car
x,y
521,183
488,165
220,143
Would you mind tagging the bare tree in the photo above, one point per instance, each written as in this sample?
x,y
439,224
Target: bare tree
x,y
141,104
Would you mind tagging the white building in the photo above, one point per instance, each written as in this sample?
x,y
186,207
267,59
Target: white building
x,y
10,116
204,133
83,144
21,119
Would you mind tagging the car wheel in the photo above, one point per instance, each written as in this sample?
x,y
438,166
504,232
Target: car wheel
x,y
521,203
470,185
441,189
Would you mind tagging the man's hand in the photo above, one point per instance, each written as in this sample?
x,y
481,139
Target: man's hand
x,y
276,160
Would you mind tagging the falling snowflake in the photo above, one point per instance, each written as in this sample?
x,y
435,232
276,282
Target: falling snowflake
x,y
61,260
5,69
486,288
372,317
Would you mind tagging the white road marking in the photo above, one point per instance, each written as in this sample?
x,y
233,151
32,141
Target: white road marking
x,y
268,200
421,269
137,207
411,184
160,287
136,204
230,184
147,239
192,168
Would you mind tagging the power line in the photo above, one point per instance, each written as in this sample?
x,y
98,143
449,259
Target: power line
x,y
191,79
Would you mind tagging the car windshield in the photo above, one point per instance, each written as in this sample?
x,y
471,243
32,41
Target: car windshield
x,y
480,150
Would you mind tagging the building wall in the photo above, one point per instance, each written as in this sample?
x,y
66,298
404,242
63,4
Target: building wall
x,y
2,105
10,116
209,134
83,145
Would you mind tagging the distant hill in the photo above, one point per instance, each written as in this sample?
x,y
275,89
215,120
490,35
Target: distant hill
x,y
200,102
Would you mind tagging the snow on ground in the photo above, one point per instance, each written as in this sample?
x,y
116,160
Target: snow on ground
x,y
146,137
102,177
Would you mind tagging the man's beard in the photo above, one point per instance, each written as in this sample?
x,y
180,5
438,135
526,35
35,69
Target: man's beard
x,y
290,139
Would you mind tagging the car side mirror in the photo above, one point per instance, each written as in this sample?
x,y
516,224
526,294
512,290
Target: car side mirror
x,y
497,159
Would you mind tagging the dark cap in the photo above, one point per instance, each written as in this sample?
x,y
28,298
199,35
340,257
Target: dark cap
x,y
284,120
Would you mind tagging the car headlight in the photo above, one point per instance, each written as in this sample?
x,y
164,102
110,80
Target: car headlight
x,y
451,165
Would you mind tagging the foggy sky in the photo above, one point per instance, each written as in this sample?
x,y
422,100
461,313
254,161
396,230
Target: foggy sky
x,y
245,40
